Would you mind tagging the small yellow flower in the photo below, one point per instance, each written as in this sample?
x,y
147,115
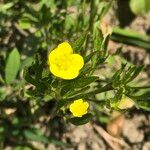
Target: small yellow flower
x,y
63,63
79,108
126,103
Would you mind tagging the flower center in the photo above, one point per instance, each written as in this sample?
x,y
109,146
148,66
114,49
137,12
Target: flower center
x,y
63,63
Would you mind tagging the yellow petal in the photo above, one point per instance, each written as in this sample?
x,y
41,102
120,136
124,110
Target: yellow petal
x,y
65,48
79,101
53,55
77,61
64,74
79,108
86,105
63,63
68,75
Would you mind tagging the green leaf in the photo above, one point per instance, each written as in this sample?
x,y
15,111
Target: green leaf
x,y
118,50
35,136
147,2
6,6
24,24
22,148
130,37
136,73
79,82
76,92
62,103
28,77
27,62
144,104
132,73
139,7
130,34
87,69
48,3
128,74
116,78
98,102
105,88
104,7
145,95
78,44
70,21
12,66
98,38
104,120
145,108
140,87
46,73
69,93
80,120
104,45
90,56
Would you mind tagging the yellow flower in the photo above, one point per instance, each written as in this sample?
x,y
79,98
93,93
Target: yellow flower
x,y
63,63
126,103
79,108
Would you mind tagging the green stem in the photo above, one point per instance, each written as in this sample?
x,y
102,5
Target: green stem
x,y
106,88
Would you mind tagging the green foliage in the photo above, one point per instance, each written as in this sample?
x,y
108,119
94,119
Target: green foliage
x,y
131,37
139,7
80,121
78,44
12,66
34,135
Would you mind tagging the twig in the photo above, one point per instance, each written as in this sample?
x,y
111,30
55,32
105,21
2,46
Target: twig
x,y
109,139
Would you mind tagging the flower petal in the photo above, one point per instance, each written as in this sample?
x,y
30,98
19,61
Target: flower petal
x,y
64,74
77,61
65,48
86,105
79,108
53,55
63,63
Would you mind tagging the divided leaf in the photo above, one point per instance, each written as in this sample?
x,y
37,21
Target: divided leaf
x,y
77,45
80,82
80,120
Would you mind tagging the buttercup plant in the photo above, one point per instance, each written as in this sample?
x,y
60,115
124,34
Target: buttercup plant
x,y
55,67
69,82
